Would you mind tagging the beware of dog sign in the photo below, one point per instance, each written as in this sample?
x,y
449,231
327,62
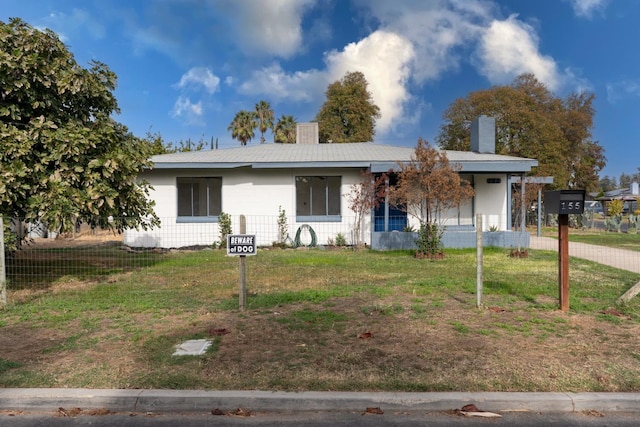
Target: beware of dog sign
x,y
241,244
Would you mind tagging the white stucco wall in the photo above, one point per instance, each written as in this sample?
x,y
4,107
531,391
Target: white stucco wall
x,y
491,201
256,193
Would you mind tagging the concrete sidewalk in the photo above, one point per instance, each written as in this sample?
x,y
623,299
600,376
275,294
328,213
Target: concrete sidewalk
x,y
193,401
618,258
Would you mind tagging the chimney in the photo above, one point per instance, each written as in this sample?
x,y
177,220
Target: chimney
x,y
634,189
483,135
307,133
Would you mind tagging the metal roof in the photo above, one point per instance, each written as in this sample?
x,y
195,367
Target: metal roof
x,y
379,158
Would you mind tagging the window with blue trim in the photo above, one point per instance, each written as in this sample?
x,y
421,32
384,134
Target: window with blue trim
x,y
199,198
318,198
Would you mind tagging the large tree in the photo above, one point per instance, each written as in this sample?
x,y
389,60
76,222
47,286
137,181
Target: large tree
x,y
348,114
285,130
62,156
532,122
242,127
264,118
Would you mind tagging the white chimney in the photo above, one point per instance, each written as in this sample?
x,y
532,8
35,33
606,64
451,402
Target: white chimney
x,y
634,189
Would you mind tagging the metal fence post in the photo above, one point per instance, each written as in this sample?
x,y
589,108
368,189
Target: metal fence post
x,y
3,271
479,264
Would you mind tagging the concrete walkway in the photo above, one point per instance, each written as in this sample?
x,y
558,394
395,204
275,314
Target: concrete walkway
x,y
618,258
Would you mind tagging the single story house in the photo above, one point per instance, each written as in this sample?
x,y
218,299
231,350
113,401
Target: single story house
x,y
309,184
628,196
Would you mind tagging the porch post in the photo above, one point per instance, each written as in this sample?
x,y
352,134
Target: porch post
x,y
523,212
386,205
509,202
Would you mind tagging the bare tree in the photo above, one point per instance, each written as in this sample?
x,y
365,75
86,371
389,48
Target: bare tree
x,y
429,189
364,196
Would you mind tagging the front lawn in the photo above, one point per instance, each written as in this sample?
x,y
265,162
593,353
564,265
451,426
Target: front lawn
x,y
326,320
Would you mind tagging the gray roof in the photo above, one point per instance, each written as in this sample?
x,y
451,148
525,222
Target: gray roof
x,y
379,158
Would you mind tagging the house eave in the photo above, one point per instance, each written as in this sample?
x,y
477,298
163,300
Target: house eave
x,y
509,166
197,165
261,165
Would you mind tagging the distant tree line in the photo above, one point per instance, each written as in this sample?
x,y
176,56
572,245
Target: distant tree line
x,y
608,183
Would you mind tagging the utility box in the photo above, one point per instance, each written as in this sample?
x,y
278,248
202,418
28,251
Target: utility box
x,y
564,202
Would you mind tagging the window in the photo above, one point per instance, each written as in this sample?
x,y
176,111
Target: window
x,y
199,198
318,198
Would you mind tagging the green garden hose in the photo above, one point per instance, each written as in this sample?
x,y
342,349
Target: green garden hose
x,y
314,238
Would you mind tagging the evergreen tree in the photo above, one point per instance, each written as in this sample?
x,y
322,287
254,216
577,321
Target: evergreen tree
x,y
63,157
348,114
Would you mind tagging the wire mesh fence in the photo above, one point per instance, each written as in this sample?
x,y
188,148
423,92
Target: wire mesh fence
x,y
46,258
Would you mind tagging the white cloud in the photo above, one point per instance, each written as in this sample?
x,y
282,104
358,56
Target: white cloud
x,y
620,90
79,21
385,60
586,8
197,77
271,27
509,48
438,30
185,109
276,83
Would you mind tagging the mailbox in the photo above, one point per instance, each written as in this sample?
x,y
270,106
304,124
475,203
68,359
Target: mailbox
x,y
563,202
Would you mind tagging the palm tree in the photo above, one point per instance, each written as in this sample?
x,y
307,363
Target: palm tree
x,y
264,116
285,130
242,127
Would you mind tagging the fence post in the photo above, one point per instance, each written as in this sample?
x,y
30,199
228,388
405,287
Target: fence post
x,y
479,264
3,271
242,293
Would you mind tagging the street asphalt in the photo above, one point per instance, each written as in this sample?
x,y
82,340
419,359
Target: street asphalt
x,y
195,401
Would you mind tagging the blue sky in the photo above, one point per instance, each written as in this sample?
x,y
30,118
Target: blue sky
x,y
185,67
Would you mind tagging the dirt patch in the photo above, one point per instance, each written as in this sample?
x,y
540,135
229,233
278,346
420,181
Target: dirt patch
x,y
27,345
86,238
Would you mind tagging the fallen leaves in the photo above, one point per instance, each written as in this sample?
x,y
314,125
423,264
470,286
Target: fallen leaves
x,y
238,412
614,312
376,411
472,410
365,335
74,412
218,332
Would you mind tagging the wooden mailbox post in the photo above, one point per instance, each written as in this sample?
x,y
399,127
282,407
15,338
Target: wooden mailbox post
x,y
564,203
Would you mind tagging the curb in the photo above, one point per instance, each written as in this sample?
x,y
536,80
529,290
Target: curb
x,y
205,401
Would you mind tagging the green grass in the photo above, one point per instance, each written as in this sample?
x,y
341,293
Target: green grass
x,y
629,241
6,365
305,311
614,240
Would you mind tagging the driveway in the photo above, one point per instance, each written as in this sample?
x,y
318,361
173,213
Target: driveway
x,y
618,258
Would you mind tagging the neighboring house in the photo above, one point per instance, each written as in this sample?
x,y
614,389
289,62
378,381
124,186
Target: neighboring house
x,y
628,196
311,182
